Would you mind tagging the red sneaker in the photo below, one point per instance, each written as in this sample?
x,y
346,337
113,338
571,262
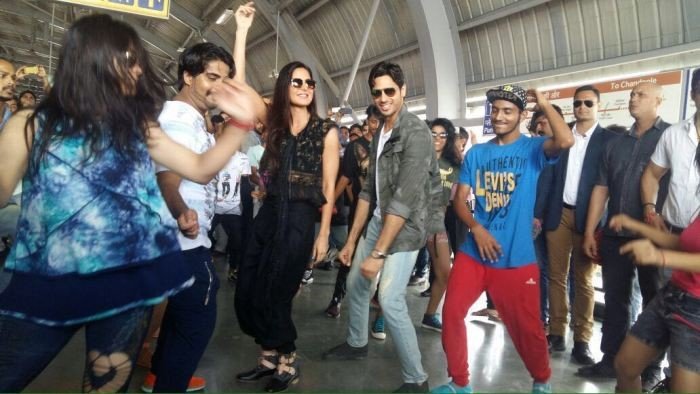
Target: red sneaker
x,y
196,383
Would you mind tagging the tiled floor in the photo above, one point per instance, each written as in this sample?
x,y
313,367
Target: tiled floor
x,y
495,365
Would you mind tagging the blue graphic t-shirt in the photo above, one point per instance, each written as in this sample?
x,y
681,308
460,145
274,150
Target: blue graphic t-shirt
x,y
503,179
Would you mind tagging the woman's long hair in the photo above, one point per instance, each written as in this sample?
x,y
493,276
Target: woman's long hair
x,y
94,95
280,117
449,152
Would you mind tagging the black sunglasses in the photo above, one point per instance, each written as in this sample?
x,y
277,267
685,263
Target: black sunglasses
x,y
439,135
589,103
298,83
390,92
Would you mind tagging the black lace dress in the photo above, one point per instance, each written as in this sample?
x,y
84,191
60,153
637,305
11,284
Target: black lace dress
x,y
281,240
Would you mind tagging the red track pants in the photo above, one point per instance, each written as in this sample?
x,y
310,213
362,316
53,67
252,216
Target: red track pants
x,y
516,293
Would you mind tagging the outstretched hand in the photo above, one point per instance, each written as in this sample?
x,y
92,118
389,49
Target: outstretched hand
x,y
244,15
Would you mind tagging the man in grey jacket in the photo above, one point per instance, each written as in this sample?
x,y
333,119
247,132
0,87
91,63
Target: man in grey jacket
x,y
394,210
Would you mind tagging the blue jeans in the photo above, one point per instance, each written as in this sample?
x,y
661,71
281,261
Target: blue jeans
x,y
188,324
392,297
112,344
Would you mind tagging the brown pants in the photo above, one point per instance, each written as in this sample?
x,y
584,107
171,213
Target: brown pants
x,y
561,244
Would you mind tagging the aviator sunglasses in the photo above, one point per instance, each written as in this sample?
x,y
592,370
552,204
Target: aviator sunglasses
x,y
589,103
390,92
298,83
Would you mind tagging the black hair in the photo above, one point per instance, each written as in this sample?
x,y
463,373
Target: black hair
x,y
280,116
28,91
449,152
373,111
531,127
463,133
95,95
585,88
355,126
617,129
195,58
381,69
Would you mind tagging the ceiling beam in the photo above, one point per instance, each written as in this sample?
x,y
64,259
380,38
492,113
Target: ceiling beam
x,y
500,13
299,17
195,23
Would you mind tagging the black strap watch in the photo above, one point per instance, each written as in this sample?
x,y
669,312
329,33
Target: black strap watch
x,y
375,254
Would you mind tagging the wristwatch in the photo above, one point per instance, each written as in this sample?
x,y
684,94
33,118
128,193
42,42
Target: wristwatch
x,y
375,254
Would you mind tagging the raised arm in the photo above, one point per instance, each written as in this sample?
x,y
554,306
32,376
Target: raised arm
x,y
244,19
14,154
562,137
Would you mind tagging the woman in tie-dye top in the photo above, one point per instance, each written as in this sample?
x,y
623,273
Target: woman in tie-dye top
x,y
96,245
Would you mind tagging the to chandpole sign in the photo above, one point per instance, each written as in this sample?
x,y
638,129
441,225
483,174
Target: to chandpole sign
x,y
152,8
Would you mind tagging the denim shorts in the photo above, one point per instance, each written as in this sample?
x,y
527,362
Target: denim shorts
x,y
672,318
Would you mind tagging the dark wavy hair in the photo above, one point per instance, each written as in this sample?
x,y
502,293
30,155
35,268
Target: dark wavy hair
x,y
381,69
195,58
280,116
449,152
88,97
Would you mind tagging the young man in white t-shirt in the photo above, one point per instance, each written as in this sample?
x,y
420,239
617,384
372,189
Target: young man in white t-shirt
x,y
190,316
229,208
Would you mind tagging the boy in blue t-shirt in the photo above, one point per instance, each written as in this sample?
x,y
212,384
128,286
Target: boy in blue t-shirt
x,y
498,255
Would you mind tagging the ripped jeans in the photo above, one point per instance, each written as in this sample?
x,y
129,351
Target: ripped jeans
x,y
112,345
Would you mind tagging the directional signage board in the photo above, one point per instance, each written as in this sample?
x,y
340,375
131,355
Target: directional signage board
x,y
151,8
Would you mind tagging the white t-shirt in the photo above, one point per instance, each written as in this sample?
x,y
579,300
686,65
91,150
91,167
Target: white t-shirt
x,y
676,151
255,154
228,187
186,126
383,138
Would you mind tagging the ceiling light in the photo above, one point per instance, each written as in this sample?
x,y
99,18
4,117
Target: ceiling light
x,y
225,16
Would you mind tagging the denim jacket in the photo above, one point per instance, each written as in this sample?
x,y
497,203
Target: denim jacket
x,y
409,181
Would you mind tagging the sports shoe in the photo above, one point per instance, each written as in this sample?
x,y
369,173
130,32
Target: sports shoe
x,y
601,370
541,388
308,277
416,280
196,383
378,328
413,388
345,352
333,310
431,322
557,343
452,387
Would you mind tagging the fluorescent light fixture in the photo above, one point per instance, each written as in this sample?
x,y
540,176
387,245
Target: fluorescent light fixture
x,y
225,16
475,99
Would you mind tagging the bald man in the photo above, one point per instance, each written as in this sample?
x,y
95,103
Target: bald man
x,y
618,183
7,89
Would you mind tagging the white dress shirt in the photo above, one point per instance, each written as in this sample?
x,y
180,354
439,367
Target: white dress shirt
x,y
575,165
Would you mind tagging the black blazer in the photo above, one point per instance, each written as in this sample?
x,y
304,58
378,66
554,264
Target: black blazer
x,y
589,174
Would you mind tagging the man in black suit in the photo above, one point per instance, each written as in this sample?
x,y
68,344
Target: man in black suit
x,y
574,177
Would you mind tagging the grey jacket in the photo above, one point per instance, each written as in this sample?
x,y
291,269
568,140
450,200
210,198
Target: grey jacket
x,y
409,182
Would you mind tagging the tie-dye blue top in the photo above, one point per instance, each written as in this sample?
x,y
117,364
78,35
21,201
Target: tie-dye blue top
x,y
94,238
88,216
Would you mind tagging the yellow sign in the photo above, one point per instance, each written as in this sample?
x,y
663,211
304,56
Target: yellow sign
x,y
152,8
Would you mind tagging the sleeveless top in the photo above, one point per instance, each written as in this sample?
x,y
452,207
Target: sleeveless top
x,y
300,173
94,237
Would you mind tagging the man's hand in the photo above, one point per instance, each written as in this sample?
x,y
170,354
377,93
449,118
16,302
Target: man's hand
x,y
590,246
489,249
536,228
236,100
320,249
245,15
345,254
188,224
370,267
535,96
643,252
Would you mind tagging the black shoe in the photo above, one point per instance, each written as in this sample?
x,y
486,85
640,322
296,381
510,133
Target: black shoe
x,y
582,354
266,367
287,373
556,343
651,376
345,352
413,388
599,370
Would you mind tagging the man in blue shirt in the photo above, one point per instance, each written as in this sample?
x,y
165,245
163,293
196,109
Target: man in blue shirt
x,y
498,255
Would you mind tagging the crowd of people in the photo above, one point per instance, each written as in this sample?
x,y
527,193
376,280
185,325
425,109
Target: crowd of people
x,y
110,197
